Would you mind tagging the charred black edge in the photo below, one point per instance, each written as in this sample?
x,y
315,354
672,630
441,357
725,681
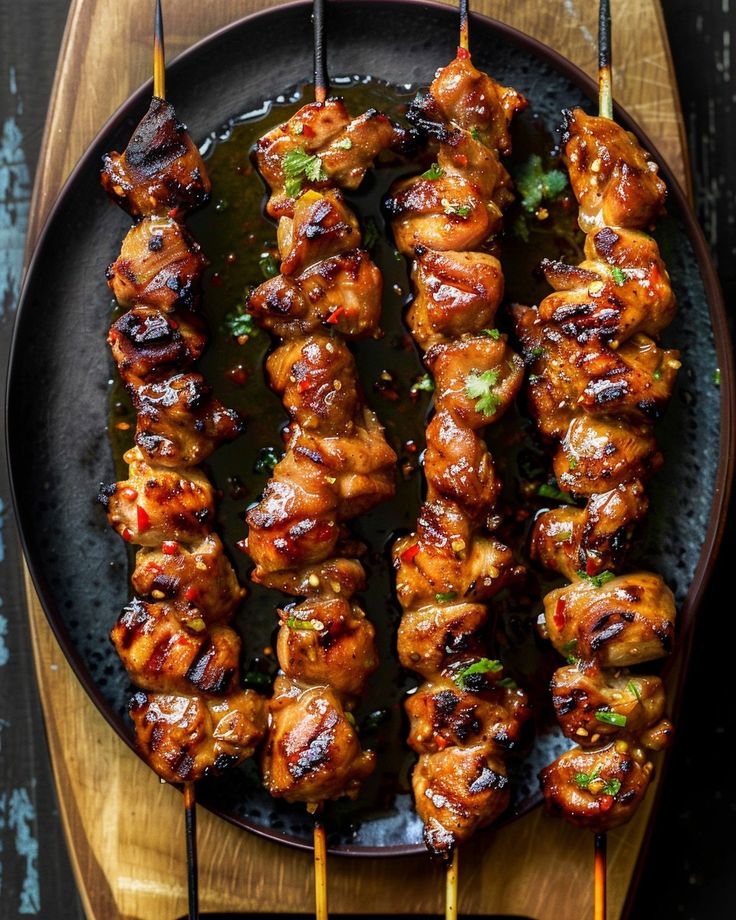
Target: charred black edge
x,y
114,132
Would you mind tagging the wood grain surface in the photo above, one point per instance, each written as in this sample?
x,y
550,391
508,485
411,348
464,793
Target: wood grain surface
x,y
536,867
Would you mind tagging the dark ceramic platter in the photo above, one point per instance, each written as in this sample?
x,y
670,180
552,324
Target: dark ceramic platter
x,y
58,391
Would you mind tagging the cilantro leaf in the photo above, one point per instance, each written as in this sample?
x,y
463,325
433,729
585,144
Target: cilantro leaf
x,y
424,384
269,265
537,184
611,718
239,324
597,580
482,666
619,278
480,388
298,164
435,171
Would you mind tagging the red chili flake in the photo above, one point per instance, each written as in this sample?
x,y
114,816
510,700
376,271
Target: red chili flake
x,y
463,54
144,521
216,280
410,553
129,494
191,593
461,159
127,534
591,565
238,374
605,802
335,315
170,548
174,213
307,131
559,618
303,385
440,742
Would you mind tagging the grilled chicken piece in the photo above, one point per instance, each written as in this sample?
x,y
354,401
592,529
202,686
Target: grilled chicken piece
x,y
599,789
464,96
463,155
185,738
614,180
159,266
180,422
593,539
457,791
341,293
327,640
322,227
430,636
198,580
342,150
149,345
456,293
162,655
594,705
313,752
447,213
620,289
626,621
441,713
161,168
339,575
156,506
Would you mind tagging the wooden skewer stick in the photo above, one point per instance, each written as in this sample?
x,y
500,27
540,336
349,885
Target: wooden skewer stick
x,y
605,76
159,57
464,26
451,886
599,900
190,827
320,871
321,79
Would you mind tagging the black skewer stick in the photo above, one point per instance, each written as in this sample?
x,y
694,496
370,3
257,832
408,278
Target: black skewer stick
x,y
321,78
464,25
190,829
605,76
159,57
605,110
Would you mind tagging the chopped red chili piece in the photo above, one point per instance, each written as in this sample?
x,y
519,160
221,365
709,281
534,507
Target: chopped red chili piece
x,y
410,553
463,54
192,593
129,494
591,565
144,521
461,159
127,534
307,131
559,614
303,385
605,802
440,742
174,213
170,548
335,315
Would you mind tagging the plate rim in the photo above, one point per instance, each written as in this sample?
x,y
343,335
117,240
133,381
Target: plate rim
x,y
723,482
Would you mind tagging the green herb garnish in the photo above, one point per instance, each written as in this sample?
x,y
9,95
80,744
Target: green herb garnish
x,y
425,384
619,278
293,187
370,233
344,144
480,388
297,164
435,171
453,208
296,623
572,463
493,333
568,648
269,265
239,324
633,690
482,666
597,580
583,780
266,460
449,596
508,683
538,352
537,184
611,718
475,134
612,787
551,490
717,376
657,375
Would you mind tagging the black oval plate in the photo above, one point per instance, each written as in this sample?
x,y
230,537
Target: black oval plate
x,y
58,388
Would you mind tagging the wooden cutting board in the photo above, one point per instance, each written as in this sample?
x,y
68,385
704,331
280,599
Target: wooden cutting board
x,y
124,829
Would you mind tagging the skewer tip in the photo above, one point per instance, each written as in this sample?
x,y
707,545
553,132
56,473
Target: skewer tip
x,y
159,56
320,871
599,912
451,886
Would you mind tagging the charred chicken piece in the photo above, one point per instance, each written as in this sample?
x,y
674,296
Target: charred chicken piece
x,y
312,753
161,168
156,506
159,266
322,227
180,423
197,580
185,738
163,655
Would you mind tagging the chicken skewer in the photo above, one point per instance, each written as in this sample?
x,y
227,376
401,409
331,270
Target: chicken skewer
x,y
600,381
466,715
337,463
191,718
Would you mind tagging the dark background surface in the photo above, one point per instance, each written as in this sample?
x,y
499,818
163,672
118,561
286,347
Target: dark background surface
x,y
689,870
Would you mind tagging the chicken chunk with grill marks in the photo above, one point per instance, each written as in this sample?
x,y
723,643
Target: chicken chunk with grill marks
x,y
456,293
327,640
155,505
343,148
614,180
312,753
461,154
341,575
447,213
341,293
599,789
441,714
185,738
159,266
430,635
476,378
162,655
621,288
179,421
457,791
594,705
464,96
148,345
160,169
626,621
323,226
593,539
198,580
